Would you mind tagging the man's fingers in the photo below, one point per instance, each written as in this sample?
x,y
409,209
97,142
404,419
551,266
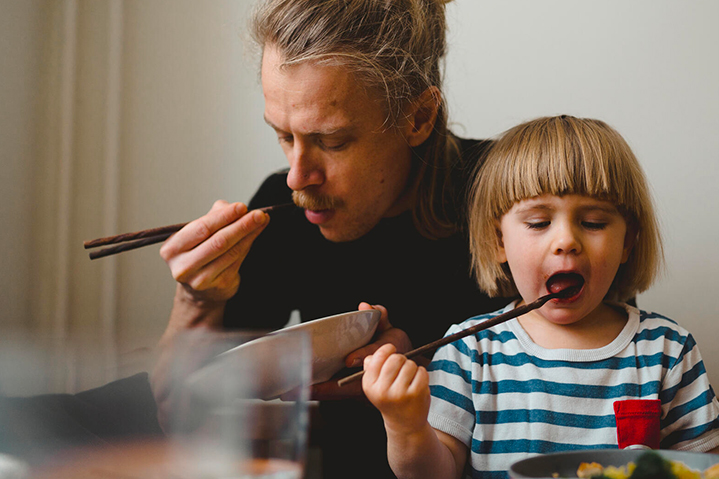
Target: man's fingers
x,y
384,323
364,306
226,280
329,391
219,204
233,240
224,268
196,232
355,358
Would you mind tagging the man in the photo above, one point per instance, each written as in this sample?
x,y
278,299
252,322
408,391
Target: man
x,y
352,90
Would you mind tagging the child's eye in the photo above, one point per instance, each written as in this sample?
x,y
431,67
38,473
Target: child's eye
x,y
594,225
537,225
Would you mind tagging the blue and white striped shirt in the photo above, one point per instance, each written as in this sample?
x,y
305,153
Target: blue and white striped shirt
x,y
506,398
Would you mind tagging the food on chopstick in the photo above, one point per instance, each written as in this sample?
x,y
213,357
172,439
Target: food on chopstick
x,y
649,465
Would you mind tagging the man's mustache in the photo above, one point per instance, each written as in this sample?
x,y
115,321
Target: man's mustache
x,y
312,201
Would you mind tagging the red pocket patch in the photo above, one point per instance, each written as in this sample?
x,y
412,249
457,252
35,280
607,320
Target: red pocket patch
x,y
638,422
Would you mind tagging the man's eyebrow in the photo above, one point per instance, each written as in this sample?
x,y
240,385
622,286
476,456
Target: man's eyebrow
x,y
333,131
272,125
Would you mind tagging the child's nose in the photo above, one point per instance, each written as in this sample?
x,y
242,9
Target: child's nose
x,y
566,240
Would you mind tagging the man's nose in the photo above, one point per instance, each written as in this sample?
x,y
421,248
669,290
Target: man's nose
x,y
306,169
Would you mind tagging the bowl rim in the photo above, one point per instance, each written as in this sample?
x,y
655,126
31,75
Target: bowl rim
x,y
374,317
632,454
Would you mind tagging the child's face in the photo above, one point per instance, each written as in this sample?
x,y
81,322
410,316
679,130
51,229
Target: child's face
x,y
552,242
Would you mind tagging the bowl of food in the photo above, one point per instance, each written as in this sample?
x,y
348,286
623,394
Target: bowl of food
x,y
331,339
264,358
334,337
618,464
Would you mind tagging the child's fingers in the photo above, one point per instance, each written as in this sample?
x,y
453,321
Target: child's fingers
x,y
390,371
382,353
374,362
420,381
405,375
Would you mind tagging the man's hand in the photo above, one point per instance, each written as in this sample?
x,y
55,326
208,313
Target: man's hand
x,y
205,256
385,334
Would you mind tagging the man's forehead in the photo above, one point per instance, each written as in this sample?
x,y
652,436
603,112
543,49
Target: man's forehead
x,y
330,75
317,99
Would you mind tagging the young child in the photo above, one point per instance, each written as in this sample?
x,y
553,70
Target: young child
x,y
560,202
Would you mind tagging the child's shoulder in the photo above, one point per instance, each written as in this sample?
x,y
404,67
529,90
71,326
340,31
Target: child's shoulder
x,y
653,325
652,319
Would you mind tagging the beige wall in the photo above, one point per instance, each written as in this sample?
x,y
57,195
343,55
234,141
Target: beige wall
x,y
21,27
118,115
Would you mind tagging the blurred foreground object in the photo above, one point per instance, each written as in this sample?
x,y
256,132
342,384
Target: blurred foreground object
x,y
238,405
37,428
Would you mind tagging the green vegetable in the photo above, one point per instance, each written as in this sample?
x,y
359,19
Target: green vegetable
x,y
651,465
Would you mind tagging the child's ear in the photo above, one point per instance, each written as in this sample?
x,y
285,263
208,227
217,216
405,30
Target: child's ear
x,y
630,239
422,115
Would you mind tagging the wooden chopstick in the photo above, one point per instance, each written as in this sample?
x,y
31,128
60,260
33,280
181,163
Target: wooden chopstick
x,y
138,239
518,311
139,243
121,238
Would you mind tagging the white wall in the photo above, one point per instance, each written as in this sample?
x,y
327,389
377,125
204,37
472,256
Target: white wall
x,y
650,68
189,130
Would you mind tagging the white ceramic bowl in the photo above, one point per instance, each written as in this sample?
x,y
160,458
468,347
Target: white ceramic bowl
x,y
334,337
259,365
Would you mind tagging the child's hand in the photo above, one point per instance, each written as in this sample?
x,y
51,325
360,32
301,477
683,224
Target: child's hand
x,y
398,388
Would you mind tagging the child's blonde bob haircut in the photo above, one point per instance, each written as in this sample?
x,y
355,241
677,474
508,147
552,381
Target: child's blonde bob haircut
x,y
559,156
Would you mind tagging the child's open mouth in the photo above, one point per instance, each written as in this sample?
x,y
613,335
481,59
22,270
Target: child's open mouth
x,y
569,283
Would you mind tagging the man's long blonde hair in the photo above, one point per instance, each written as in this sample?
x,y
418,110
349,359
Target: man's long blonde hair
x,y
394,48
562,155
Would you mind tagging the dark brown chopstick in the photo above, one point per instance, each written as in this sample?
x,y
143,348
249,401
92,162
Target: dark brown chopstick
x,y
518,311
138,239
139,243
121,238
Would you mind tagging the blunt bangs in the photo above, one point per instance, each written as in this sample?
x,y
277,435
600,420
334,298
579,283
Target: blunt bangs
x,y
561,156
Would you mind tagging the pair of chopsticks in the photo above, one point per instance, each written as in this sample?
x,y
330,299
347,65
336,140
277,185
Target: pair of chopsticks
x,y
138,239
518,311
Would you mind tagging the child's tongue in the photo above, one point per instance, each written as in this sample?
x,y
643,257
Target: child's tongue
x,y
563,281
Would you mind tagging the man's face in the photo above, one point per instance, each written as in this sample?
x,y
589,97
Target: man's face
x,y
347,169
